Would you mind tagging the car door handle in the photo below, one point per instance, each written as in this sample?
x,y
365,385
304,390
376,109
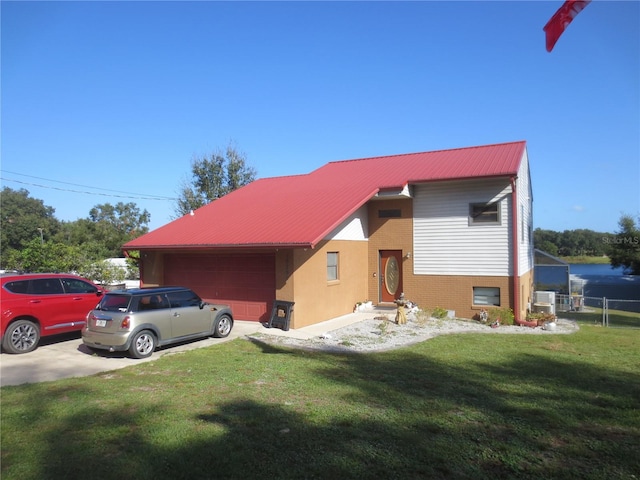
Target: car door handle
x,y
34,301
176,314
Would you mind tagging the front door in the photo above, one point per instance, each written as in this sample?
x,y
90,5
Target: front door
x,y
390,275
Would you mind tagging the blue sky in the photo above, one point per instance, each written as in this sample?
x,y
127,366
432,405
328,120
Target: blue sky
x,y
116,98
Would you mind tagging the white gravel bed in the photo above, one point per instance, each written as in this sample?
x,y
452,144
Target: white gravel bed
x,y
380,333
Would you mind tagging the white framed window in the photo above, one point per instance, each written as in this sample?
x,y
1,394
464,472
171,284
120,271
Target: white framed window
x,y
332,266
484,213
486,296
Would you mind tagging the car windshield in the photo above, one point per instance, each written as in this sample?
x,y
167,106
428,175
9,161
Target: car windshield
x,y
114,303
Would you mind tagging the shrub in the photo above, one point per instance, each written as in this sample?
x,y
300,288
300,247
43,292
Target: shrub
x,y
439,312
504,314
103,272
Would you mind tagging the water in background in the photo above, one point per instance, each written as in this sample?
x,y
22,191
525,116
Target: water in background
x,y
600,281
594,269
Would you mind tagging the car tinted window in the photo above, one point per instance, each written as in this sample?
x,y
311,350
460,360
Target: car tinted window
x,y
152,302
46,286
115,303
185,298
19,286
74,285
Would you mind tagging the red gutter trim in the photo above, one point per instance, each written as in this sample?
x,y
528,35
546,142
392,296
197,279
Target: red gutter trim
x,y
516,258
269,246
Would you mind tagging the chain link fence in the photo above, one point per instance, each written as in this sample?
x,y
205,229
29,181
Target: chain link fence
x,y
608,312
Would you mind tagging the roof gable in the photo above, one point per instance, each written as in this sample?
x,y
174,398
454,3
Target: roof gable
x,y
301,210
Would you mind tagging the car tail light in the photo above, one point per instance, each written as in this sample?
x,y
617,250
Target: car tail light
x,y
126,323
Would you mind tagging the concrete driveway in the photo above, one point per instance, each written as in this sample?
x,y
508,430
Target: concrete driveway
x,y
66,356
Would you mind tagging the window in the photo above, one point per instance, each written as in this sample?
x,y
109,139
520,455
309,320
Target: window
x,y
20,286
185,298
46,286
153,302
394,213
486,296
484,213
72,285
114,303
332,266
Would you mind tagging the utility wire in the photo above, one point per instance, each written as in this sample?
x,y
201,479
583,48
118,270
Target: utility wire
x,y
126,194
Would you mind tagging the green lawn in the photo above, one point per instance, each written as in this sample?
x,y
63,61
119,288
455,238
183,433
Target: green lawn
x,y
469,406
586,259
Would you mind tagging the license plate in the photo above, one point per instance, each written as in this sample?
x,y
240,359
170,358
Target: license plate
x,y
101,323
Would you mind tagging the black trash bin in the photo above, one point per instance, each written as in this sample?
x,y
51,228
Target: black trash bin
x,y
280,315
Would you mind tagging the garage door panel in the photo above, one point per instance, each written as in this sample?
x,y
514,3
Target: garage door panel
x,y
245,282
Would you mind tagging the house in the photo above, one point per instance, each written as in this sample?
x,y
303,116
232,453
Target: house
x,y
450,228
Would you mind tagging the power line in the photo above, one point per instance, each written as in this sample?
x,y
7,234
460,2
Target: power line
x,y
84,186
126,194
132,196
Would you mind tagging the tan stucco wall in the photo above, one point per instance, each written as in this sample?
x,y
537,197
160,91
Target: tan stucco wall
x,y
526,293
317,299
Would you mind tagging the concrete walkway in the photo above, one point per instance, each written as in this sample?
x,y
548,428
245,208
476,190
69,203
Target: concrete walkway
x,y
68,357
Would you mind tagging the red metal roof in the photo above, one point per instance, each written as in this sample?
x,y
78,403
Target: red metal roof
x,y
301,210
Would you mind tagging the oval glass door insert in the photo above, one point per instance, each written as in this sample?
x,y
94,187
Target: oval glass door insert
x,y
391,275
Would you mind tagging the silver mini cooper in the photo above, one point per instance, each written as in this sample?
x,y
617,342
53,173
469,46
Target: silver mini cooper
x,y
139,320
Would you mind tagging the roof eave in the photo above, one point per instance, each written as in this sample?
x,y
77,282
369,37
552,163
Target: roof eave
x,y
220,246
334,225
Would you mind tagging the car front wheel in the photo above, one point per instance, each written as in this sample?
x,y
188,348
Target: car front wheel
x,y
143,344
22,336
223,327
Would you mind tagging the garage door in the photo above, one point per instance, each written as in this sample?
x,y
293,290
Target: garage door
x,y
246,282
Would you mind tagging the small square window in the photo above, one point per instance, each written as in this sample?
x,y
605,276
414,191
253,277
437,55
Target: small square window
x,y
484,213
392,213
486,296
332,266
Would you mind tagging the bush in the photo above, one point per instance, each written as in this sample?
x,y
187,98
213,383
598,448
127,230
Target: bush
x,y
103,272
439,312
504,314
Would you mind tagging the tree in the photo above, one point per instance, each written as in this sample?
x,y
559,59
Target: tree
x,y
34,240
571,242
213,177
624,246
546,240
23,219
35,256
116,225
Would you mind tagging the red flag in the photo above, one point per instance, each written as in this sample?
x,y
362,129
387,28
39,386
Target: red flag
x,y
561,20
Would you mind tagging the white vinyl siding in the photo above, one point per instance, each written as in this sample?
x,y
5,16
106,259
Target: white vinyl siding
x,y
445,243
525,222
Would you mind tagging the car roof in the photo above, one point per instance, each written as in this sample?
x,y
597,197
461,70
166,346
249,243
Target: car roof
x,y
148,290
18,275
